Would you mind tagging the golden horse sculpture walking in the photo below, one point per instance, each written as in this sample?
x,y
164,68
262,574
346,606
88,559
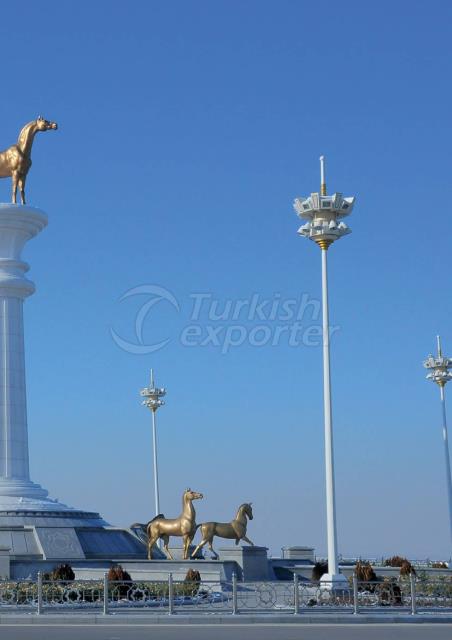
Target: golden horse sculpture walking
x,y
184,525
16,160
236,529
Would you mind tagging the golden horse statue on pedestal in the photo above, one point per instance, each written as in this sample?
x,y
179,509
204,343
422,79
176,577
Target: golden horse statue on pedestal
x,y
16,161
236,529
184,526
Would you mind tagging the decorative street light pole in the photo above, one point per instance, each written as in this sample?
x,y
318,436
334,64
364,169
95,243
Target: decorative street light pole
x,y
440,373
322,213
152,395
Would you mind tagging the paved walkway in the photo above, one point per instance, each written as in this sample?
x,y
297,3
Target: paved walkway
x,y
58,631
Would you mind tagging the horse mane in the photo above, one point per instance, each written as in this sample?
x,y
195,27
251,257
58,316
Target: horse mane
x,y
23,134
144,525
159,517
242,506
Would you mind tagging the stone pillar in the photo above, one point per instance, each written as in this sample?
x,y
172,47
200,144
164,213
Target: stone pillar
x,y
253,561
298,553
18,224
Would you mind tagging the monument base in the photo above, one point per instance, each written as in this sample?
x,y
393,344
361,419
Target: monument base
x,y
14,492
61,535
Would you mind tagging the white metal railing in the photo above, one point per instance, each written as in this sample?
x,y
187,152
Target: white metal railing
x,y
409,594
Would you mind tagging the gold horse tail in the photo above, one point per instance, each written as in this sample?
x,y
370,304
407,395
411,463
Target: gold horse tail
x,y
139,529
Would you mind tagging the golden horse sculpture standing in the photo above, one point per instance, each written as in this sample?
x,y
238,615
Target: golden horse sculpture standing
x,y
184,525
236,529
16,161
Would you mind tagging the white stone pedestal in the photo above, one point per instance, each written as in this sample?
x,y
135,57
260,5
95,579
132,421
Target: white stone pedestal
x,y
334,581
18,224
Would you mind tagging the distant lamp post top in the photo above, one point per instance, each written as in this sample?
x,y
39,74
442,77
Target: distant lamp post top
x,y
439,366
152,395
324,213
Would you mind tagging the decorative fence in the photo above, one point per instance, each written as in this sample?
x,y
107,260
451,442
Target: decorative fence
x,y
404,595
418,563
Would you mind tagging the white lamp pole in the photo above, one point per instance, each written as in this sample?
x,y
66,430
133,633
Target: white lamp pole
x,y
440,373
329,456
152,395
323,213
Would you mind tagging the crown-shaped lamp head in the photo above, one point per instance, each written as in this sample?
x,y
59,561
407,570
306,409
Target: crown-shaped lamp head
x,y
324,213
439,366
152,395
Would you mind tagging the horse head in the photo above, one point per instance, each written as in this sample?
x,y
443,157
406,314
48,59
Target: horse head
x,y
192,495
248,509
44,125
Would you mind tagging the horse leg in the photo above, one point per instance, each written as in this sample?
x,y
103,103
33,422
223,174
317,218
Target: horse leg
x,y
187,541
214,553
165,539
151,542
14,177
199,547
248,540
21,182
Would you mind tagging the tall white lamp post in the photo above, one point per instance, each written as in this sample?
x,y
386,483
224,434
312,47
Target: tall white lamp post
x,y
323,214
440,373
152,399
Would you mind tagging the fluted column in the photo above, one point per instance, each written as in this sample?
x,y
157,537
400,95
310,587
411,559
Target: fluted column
x,y
18,224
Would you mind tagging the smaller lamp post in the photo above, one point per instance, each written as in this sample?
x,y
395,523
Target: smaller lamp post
x,y
152,399
440,373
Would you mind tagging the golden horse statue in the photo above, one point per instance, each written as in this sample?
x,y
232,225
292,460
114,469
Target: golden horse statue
x,y
184,525
16,161
236,529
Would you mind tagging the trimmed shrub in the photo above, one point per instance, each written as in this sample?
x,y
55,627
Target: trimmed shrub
x,y
398,561
389,593
62,572
191,583
118,574
364,572
318,570
407,568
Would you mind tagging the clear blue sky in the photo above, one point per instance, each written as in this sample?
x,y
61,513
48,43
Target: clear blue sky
x,y
186,130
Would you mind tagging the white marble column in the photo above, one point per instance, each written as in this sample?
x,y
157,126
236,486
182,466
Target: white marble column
x,y
18,224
